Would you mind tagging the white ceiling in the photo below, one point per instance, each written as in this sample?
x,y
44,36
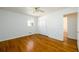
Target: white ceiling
x,y
29,10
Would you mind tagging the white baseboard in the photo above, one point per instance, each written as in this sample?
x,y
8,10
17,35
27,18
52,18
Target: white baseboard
x,y
56,38
72,38
14,37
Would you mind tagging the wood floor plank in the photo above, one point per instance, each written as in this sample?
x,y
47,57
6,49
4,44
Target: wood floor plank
x,y
38,43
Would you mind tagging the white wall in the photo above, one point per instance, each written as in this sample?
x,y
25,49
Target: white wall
x,y
13,25
69,10
42,25
72,25
52,25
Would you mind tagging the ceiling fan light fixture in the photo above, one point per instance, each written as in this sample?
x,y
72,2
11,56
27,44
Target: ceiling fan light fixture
x,y
37,11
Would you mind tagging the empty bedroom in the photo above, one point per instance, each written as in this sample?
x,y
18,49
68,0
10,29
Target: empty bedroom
x,y
39,29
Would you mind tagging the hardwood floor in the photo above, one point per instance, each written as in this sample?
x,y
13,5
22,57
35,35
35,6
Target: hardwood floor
x,y
37,43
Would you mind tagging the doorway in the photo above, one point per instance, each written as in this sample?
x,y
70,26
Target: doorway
x,y
65,28
70,28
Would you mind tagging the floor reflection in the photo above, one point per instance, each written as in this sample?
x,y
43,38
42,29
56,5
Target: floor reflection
x,y
30,45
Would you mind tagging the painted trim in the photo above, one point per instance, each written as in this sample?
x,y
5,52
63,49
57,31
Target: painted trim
x,y
15,37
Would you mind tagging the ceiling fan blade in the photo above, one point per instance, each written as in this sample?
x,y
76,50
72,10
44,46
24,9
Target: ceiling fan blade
x,y
37,9
41,10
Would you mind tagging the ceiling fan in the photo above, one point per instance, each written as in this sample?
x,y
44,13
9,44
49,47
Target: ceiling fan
x,y
37,9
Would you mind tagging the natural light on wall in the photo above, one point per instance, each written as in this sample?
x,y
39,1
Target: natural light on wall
x,y
30,23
